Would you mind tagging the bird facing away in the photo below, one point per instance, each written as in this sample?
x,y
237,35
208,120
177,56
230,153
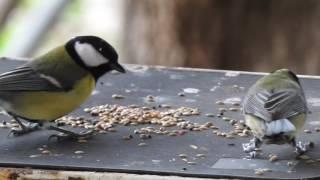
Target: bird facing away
x,y
56,83
275,110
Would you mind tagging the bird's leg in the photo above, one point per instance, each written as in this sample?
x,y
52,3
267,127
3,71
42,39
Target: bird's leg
x,y
24,128
251,147
69,134
301,148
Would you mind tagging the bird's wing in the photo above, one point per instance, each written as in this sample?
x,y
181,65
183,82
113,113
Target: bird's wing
x,y
26,79
269,105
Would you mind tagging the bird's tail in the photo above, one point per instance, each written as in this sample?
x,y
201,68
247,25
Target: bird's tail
x,y
279,126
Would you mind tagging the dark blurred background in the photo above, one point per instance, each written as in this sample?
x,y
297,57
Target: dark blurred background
x,y
249,35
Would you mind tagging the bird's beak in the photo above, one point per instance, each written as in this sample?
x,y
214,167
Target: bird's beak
x,y
118,67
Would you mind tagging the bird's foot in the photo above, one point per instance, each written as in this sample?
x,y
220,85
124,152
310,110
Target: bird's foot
x,y
65,134
251,148
302,148
25,129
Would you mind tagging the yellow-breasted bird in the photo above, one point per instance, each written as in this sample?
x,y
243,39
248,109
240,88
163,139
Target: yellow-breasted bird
x,y
56,83
275,110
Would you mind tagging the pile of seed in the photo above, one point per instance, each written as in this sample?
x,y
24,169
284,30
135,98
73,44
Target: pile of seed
x,y
108,116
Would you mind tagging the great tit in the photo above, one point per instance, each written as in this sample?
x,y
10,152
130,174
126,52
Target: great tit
x,y
275,110
56,83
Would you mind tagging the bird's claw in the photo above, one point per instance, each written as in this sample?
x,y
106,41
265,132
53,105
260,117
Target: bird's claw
x,y
24,130
72,135
302,148
251,148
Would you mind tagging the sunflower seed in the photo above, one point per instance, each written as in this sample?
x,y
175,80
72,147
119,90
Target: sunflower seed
x,y
79,152
142,144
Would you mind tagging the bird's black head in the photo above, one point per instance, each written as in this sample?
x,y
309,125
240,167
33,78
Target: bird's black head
x,y
94,54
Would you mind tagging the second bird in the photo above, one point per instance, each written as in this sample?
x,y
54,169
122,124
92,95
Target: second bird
x,y
275,110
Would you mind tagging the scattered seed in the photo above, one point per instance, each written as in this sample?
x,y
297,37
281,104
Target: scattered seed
x,y
259,172
191,163
234,109
117,96
133,106
145,136
229,136
210,115
219,102
127,137
273,158
150,98
172,134
183,156
45,152
82,141
34,155
79,152
200,155
142,144
222,110
214,127
164,106
235,103
112,130
226,118
310,161
184,159
304,157
307,131
193,146
290,163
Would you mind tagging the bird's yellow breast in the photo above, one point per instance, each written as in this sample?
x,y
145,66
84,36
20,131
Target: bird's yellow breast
x,y
49,106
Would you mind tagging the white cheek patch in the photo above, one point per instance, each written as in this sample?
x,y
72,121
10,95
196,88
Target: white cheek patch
x,y
89,55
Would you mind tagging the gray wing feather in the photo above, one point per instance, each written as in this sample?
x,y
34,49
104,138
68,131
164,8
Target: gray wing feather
x,y
269,105
25,79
